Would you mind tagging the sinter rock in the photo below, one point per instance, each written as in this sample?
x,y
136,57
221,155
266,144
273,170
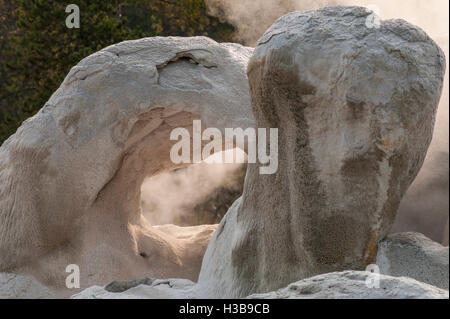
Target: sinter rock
x,y
416,256
355,109
355,285
70,176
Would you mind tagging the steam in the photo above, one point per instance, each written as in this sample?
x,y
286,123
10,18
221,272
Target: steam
x,y
171,198
253,17
426,204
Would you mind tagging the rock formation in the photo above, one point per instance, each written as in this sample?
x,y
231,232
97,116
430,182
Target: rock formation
x,y
352,285
414,255
14,286
70,176
445,235
337,285
419,265
144,288
355,108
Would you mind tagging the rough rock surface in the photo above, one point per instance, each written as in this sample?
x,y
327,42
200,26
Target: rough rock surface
x,y
416,256
70,176
352,285
145,288
355,110
14,286
345,285
445,235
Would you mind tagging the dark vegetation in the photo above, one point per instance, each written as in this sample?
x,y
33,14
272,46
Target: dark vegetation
x,y
37,50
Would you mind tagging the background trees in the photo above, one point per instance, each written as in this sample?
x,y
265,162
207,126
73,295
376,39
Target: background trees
x,y
37,50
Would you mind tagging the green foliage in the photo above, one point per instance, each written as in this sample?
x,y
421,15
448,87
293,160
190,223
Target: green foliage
x,y
7,28
37,50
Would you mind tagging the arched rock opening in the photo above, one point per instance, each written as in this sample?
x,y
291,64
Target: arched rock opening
x,y
71,175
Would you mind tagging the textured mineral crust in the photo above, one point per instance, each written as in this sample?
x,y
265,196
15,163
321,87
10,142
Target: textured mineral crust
x,y
70,177
355,109
416,256
354,285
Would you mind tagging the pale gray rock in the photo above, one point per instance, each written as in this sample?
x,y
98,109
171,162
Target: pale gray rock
x,y
122,285
145,288
353,285
416,256
445,235
355,109
70,176
338,285
13,286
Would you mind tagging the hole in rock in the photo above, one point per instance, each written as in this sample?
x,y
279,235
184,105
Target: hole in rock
x,y
166,211
198,194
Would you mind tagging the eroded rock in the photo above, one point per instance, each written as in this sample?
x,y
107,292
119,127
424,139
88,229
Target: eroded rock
x,y
13,286
352,285
416,256
123,285
445,235
70,176
144,288
355,108
337,285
